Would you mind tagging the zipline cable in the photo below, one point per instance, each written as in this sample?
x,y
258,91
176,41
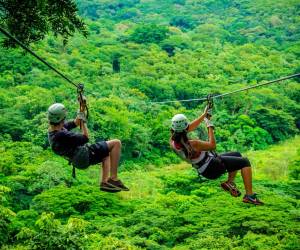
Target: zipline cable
x,y
38,57
231,92
79,87
258,85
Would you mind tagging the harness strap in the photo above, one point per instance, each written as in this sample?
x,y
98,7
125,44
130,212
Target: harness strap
x,y
73,168
203,164
74,172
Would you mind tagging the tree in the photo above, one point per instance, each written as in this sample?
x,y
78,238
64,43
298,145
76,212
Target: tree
x,y
184,22
6,215
277,122
31,20
149,33
51,234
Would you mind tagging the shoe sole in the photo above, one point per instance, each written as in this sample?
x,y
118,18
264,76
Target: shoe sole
x,y
256,204
113,190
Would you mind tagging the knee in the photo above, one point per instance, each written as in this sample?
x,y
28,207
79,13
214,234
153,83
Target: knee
x,y
116,143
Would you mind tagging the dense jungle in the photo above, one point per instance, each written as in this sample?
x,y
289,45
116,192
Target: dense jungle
x,y
130,54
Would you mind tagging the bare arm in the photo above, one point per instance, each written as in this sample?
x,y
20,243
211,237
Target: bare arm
x,y
205,145
77,121
211,138
194,124
84,129
81,120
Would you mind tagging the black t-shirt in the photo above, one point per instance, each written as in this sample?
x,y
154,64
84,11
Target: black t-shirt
x,y
64,142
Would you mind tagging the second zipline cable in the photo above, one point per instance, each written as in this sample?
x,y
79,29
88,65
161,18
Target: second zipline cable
x,y
231,92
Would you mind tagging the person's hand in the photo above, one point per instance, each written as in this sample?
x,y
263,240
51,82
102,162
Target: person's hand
x,y
82,101
209,113
208,122
81,116
205,110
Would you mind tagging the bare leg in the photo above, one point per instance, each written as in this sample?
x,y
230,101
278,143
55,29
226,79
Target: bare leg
x,y
231,176
247,178
105,169
114,156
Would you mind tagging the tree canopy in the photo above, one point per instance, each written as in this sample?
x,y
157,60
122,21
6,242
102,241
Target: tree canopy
x,y
30,21
138,52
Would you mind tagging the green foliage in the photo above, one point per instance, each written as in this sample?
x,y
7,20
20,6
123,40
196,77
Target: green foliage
x,y
79,200
181,212
294,168
50,234
111,243
179,65
30,21
184,22
6,215
138,52
278,123
149,33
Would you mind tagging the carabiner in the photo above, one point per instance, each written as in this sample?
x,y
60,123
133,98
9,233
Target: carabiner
x,y
210,101
82,99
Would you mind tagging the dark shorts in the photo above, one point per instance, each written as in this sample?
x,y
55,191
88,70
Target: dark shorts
x,y
227,162
98,152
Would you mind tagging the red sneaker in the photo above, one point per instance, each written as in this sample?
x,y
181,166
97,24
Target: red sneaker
x,y
252,199
231,188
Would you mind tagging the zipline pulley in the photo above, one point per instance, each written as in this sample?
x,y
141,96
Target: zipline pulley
x,y
210,101
82,100
210,104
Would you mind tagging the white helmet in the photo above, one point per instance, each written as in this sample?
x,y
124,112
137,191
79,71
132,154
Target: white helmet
x,y
179,123
57,113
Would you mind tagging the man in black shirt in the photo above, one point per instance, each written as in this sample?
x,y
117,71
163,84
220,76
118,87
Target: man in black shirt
x,y
72,145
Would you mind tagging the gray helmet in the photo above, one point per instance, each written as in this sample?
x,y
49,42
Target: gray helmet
x,y
179,123
57,113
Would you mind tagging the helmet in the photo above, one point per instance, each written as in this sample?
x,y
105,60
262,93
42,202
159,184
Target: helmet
x,y
179,123
57,113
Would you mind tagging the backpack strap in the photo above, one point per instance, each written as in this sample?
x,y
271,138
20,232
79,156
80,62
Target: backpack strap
x,y
74,172
73,168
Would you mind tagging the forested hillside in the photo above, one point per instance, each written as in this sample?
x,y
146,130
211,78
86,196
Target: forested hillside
x,y
138,52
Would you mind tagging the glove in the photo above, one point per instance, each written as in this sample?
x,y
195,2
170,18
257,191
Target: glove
x,y
209,112
208,123
81,116
206,109
82,101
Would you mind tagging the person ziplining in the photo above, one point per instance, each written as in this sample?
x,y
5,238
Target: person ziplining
x,y
207,162
75,147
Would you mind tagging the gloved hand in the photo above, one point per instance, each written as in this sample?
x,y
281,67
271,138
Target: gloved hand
x,y
205,110
208,123
81,116
82,102
209,112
